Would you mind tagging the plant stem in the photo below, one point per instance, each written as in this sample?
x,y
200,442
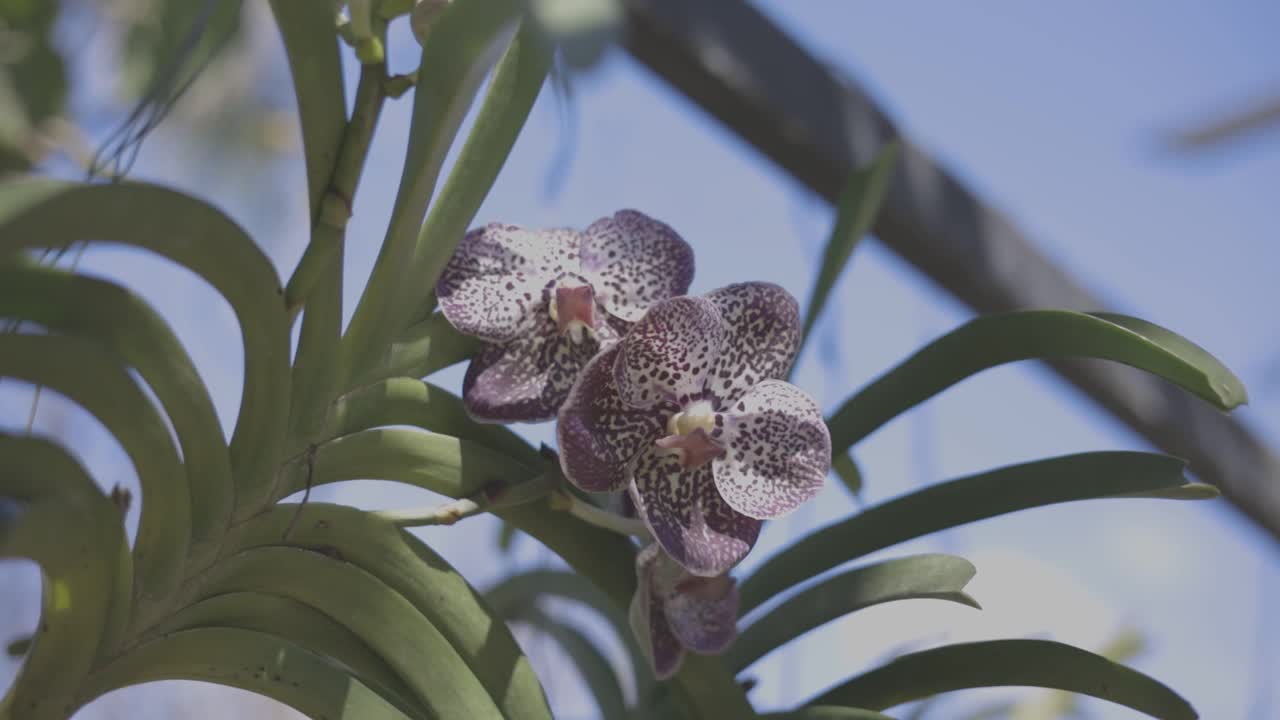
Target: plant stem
x,y
589,513
495,497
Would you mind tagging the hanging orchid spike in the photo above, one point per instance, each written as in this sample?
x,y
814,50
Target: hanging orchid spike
x,y
687,413
674,611
545,302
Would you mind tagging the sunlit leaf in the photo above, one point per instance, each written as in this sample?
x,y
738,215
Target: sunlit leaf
x,y
1033,334
938,577
1037,663
964,500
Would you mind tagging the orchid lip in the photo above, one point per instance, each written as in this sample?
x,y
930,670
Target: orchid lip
x,y
574,310
689,434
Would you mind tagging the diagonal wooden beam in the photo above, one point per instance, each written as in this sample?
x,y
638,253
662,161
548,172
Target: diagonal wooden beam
x,y
738,66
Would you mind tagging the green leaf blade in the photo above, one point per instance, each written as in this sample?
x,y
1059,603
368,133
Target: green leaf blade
x,y
995,663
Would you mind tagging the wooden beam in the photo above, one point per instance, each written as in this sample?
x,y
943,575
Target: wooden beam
x,y
738,66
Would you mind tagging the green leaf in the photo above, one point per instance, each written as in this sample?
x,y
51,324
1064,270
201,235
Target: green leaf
x,y
311,42
440,463
847,470
828,712
294,622
856,209
456,56
249,660
94,379
1037,663
408,401
425,347
413,646
940,577
37,213
964,500
436,591
33,80
122,323
66,525
1033,334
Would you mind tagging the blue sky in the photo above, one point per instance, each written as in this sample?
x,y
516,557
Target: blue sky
x,y
1054,114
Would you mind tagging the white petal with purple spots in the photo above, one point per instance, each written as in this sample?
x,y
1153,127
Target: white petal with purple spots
x,y
493,286
686,515
649,619
778,450
598,434
667,355
764,336
634,261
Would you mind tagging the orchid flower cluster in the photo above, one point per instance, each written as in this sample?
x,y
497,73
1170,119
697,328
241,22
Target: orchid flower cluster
x,y
677,401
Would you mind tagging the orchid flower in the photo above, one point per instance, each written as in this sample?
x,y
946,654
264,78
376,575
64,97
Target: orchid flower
x,y
687,413
545,302
674,611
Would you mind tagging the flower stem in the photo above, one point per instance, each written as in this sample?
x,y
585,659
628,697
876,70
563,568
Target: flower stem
x,y
494,497
566,502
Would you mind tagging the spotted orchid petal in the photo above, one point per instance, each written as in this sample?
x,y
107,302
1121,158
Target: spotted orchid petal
x,y
686,515
649,620
529,378
778,450
703,613
494,285
667,355
634,261
763,322
598,434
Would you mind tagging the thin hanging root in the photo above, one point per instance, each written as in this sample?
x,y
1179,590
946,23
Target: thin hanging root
x,y
306,493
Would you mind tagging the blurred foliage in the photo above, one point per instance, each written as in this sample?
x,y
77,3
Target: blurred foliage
x,y
33,81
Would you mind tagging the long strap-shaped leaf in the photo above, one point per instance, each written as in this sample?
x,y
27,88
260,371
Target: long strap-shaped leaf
x,y
45,213
423,348
406,565
409,401
94,379
964,500
121,322
596,670
1044,334
317,687
302,625
438,676
65,524
456,56
828,712
436,462
938,577
1036,663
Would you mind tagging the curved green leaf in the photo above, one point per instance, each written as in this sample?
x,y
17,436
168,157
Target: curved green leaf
x,y
856,208
439,678
302,625
828,712
120,321
1036,663
425,347
406,565
440,463
1032,334
409,401
964,500
939,577
66,525
38,213
310,38
94,379
456,56
596,670
261,663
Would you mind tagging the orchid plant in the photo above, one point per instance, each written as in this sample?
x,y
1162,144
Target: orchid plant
x,y
678,435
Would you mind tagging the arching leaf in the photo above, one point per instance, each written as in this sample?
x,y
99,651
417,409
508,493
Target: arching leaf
x,y
1032,334
938,577
964,500
1037,663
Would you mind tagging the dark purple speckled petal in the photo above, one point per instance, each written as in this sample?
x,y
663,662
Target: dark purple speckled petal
x,y
686,514
649,619
598,434
633,261
667,355
702,623
778,450
764,336
492,286
527,379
